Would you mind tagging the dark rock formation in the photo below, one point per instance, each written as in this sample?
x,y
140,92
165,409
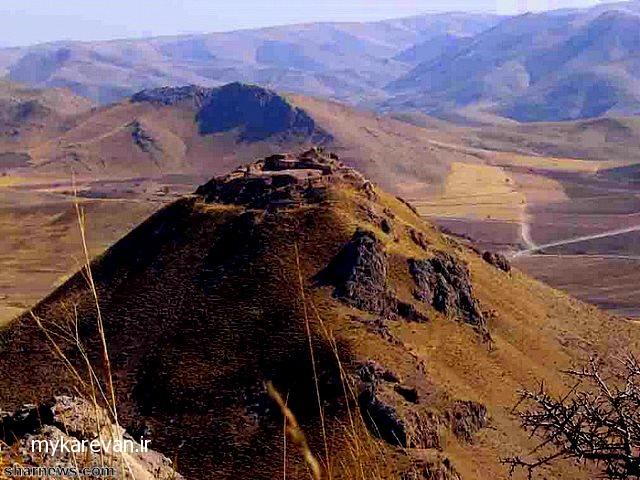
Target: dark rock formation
x,y
382,418
372,372
393,413
359,274
255,112
497,260
281,180
141,137
431,466
70,421
410,394
258,113
466,418
409,312
444,282
173,95
419,238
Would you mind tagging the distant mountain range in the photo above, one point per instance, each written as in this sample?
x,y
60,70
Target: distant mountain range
x,y
561,65
348,61
550,66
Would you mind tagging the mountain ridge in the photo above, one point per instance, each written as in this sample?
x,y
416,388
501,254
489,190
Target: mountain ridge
x,y
353,55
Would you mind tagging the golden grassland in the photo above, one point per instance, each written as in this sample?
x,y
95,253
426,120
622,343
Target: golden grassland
x,y
476,191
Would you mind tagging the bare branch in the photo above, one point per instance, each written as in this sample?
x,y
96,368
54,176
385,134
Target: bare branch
x,y
597,421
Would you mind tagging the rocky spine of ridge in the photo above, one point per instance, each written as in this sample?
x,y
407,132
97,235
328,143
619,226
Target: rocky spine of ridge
x,y
172,95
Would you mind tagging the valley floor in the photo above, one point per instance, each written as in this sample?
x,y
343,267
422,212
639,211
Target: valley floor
x,y
40,243
577,231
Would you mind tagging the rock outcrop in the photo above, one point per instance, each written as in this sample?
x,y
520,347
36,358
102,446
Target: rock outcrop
x,y
393,412
444,282
142,138
466,418
359,274
258,113
36,436
172,95
498,260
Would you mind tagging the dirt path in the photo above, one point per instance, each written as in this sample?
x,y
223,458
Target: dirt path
x,y
525,231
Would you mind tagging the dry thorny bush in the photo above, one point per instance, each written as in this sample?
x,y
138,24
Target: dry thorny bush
x,y
597,421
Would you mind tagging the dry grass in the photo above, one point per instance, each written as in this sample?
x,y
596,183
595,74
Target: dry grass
x,y
295,434
476,191
98,389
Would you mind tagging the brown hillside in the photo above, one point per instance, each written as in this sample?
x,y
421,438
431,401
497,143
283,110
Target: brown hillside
x,y
205,302
30,115
189,131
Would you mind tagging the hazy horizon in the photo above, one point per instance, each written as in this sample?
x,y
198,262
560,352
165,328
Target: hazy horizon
x,y
36,21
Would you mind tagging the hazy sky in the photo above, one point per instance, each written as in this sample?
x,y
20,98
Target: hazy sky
x,y
34,21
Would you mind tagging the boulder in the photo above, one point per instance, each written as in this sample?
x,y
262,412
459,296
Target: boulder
x,y
498,260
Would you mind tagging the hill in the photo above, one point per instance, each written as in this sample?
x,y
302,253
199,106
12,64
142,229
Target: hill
x,y
551,66
229,288
601,138
183,130
348,61
130,158
29,114
187,132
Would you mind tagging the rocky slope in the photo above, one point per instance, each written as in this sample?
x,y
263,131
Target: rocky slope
x,y
296,270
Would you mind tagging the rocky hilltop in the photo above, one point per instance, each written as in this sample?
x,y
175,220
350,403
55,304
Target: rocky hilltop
x,y
256,112
397,350
282,179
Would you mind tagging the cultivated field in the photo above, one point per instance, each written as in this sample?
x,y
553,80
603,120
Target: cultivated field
x,y
587,220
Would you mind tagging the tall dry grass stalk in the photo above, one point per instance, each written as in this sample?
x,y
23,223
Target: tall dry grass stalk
x,y
90,388
313,360
367,458
295,433
89,275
